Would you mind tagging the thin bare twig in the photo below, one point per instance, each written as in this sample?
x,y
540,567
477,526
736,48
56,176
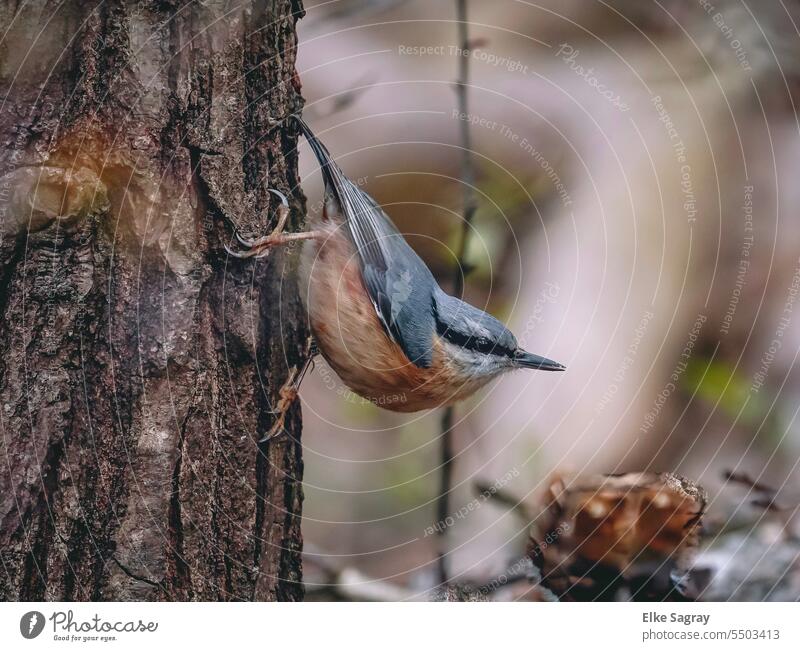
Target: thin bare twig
x,y
743,478
470,205
503,498
768,496
343,583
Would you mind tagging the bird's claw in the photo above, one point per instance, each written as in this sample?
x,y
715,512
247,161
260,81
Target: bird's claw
x,y
259,247
253,253
271,435
251,244
288,394
280,195
246,254
313,350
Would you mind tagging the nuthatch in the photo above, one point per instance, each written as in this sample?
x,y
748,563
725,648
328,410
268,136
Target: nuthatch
x,y
378,315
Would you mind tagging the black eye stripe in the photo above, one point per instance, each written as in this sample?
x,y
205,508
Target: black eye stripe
x,y
478,344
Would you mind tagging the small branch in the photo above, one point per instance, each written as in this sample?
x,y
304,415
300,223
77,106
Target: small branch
x,y
745,480
503,498
137,577
470,201
470,205
521,570
768,496
342,583
445,483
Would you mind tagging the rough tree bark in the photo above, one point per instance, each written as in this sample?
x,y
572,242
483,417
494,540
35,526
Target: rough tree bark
x,y
139,363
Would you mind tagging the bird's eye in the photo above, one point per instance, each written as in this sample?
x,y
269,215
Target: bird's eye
x,y
487,347
481,345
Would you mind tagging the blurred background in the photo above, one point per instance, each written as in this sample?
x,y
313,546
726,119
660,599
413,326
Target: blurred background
x,y
636,171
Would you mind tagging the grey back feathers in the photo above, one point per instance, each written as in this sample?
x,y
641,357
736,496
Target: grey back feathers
x,y
467,326
407,299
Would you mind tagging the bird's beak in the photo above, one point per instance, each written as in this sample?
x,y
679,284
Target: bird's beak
x,y
525,359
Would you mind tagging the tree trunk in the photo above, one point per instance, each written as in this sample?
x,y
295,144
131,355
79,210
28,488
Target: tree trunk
x,y
139,364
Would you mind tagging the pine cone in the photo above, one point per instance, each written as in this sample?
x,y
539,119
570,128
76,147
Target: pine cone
x,y
618,536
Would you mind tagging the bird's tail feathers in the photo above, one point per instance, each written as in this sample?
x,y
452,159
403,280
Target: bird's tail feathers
x,y
357,207
335,180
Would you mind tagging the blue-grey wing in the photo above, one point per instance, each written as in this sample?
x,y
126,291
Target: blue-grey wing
x,y
398,282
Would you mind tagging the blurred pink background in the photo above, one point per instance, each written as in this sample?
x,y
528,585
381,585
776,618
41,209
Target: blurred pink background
x,y
636,172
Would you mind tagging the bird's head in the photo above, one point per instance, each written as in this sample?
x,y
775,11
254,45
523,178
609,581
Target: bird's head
x,y
479,344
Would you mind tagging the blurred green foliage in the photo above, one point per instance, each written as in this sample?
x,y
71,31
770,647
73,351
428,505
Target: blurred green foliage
x,y
728,389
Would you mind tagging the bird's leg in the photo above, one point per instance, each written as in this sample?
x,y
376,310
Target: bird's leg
x,y
288,393
260,247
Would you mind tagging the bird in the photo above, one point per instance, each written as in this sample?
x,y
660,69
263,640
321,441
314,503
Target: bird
x,y
376,312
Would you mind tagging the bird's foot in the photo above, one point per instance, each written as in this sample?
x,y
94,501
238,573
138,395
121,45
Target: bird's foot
x,y
258,248
288,393
312,349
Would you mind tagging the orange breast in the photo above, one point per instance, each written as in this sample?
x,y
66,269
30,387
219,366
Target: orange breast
x,y
353,341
